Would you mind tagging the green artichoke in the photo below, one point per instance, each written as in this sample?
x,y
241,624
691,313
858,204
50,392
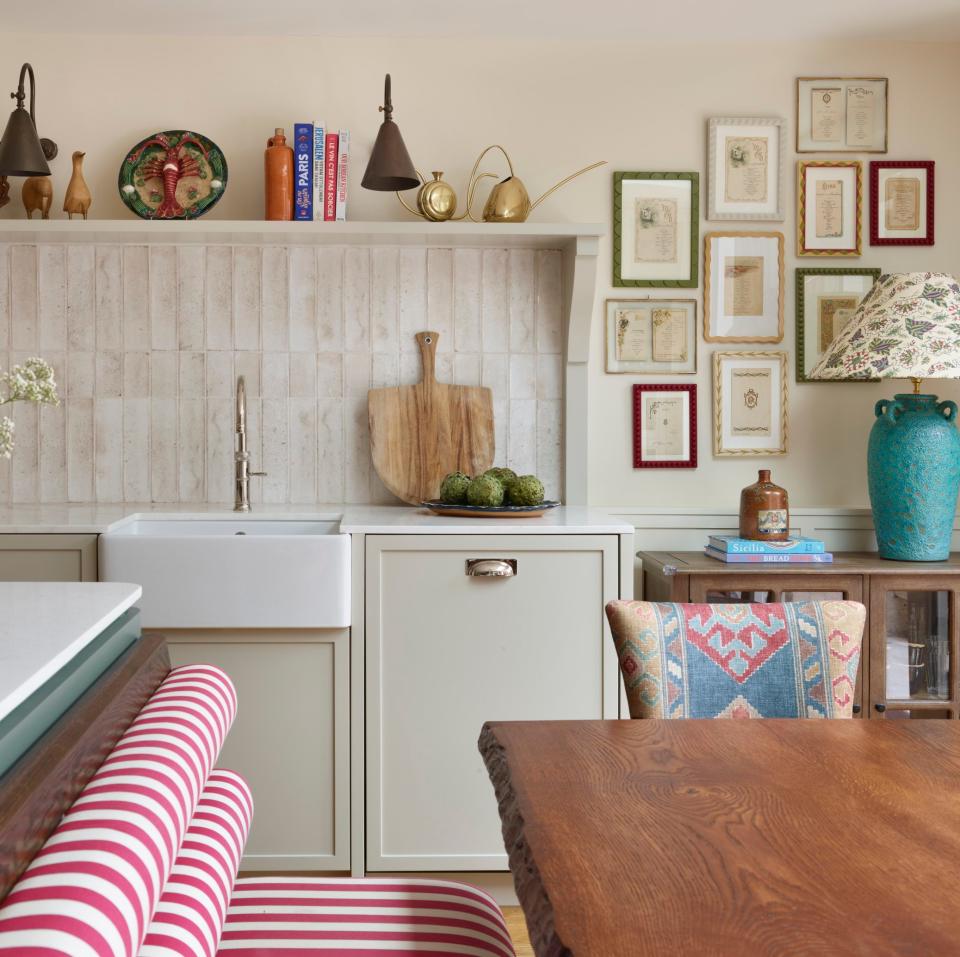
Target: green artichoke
x,y
453,489
504,475
526,490
485,490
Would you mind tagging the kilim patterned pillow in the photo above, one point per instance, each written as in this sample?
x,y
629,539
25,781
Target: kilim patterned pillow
x,y
793,660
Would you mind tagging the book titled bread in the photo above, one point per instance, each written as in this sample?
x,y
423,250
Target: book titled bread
x,y
759,558
749,546
330,177
319,167
343,159
303,171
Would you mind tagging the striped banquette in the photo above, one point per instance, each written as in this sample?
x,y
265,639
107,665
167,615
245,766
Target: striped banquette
x,y
139,854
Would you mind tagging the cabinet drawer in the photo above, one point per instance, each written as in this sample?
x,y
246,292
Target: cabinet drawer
x,y
448,649
48,558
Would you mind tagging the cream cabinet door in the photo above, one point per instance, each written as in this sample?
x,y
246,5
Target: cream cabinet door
x,y
48,558
446,651
290,740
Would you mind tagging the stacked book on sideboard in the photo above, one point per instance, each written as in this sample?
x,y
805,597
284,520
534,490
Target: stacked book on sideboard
x,y
798,551
320,158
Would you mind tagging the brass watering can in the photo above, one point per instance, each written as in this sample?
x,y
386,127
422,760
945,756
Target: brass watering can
x,y
509,201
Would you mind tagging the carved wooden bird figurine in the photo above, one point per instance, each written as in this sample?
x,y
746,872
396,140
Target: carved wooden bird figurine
x,y
37,193
77,198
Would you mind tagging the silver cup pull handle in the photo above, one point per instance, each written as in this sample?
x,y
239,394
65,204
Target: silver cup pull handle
x,y
491,567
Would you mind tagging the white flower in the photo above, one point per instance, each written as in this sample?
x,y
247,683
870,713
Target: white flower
x,y
31,382
6,437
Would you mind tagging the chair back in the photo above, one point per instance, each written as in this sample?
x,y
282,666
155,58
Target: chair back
x,y
776,660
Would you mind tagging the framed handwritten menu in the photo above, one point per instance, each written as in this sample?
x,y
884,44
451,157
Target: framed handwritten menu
x,y
845,114
651,336
664,426
829,205
656,223
743,287
901,203
745,162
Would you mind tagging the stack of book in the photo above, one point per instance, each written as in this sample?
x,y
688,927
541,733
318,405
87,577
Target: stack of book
x,y
733,550
320,158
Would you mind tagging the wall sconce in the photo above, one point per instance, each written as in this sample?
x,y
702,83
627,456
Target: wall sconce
x,y
390,167
22,152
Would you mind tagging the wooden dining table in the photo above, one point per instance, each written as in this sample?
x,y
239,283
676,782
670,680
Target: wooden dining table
x,y
712,838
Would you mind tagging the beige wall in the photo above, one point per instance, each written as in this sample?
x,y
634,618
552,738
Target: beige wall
x,y
556,106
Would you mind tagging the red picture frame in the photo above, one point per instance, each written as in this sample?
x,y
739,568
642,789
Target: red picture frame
x,y
927,202
639,462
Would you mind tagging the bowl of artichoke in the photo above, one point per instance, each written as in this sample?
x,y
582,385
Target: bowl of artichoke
x,y
497,493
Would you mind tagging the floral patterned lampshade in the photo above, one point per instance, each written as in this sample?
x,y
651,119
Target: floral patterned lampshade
x,y
906,327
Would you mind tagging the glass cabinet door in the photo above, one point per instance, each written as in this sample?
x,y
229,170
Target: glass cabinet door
x,y
913,625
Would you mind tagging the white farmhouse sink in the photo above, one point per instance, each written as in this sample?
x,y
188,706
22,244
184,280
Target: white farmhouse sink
x,y
233,573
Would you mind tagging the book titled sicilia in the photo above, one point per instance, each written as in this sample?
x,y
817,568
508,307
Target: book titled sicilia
x,y
748,546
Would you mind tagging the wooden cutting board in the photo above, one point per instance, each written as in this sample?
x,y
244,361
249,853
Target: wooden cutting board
x,y
419,433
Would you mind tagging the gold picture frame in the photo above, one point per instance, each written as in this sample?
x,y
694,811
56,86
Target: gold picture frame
x,y
829,208
749,404
748,305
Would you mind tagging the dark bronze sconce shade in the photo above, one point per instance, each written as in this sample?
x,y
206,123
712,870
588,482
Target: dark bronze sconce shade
x,y
389,167
22,152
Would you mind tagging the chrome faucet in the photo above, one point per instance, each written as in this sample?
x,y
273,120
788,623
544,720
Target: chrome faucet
x,y
241,457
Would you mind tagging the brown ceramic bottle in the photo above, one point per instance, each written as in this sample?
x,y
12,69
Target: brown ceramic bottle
x,y
764,513
278,177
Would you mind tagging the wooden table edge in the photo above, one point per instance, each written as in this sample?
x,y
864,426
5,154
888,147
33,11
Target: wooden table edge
x,y
531,893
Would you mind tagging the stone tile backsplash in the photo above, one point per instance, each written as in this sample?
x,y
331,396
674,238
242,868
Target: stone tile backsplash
x,y
147,343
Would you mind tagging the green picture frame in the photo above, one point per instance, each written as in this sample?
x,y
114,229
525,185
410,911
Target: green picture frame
x,y
803,338
624,184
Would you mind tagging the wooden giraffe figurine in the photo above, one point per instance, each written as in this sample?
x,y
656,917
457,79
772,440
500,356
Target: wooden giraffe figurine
x,y
77,198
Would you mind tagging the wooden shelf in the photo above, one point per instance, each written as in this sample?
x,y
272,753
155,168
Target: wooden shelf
x,y
252,232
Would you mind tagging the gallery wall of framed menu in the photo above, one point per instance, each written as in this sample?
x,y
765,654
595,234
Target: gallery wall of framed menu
x,y
657,243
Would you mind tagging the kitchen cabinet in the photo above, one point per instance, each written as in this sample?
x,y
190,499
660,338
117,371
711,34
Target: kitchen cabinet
x,y
911,639
914,629
290,740
448,648
48,558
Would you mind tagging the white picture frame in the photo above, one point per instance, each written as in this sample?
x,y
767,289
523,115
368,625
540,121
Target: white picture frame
x,y
652,343
743,287
745,159
749,403
829,208
846,114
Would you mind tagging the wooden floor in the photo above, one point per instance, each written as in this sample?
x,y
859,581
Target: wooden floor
x,y
518,931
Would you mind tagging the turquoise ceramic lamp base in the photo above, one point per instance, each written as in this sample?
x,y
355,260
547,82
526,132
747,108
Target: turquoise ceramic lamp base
x,y
913,468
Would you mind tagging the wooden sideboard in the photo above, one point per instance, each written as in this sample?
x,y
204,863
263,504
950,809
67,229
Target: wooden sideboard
x,y
908,668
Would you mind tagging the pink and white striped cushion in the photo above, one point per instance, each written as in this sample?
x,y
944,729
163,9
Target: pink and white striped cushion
x,y
286,916
92,888
190,916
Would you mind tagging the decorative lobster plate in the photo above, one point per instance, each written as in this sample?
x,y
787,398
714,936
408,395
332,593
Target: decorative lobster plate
x,y
490,511
173,175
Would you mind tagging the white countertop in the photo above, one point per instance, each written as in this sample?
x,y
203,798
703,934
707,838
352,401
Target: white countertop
x,y
43,625
354,519
399,520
